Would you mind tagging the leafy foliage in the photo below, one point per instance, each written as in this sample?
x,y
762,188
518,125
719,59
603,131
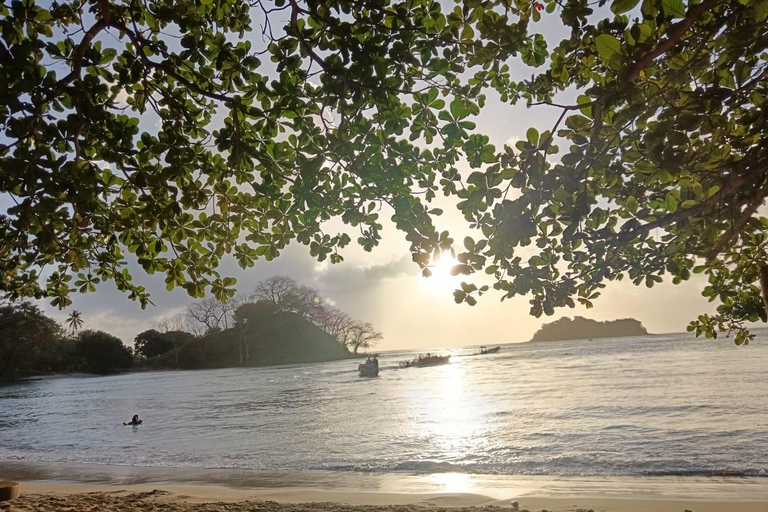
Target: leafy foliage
x,y
352,106
30,342
151,343
664,172
101,352
253,312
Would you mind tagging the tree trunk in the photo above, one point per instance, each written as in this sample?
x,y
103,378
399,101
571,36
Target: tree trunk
x,y
764,285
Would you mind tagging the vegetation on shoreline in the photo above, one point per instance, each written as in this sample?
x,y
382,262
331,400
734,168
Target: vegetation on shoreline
x,y
281,322
581,328
33,344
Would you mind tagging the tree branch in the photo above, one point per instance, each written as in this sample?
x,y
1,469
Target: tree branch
x,y
6,58
77,64
750,210
295,9
662,48
764,285
139,44
733,186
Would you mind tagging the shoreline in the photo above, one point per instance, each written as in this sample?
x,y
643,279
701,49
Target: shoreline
x,y
72,485
152,369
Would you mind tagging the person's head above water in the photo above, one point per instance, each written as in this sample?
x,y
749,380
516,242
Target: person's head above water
x,y
135,418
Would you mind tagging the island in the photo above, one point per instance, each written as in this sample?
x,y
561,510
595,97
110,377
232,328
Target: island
x,y
580,328
280,338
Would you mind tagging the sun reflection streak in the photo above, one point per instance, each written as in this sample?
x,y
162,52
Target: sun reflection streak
x,y
455,427
452,482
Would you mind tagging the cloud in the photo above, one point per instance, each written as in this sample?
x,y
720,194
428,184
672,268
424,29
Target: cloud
x,y
343,276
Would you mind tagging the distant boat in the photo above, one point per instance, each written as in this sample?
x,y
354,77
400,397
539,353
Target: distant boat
x,y
493,350
369,369
428,360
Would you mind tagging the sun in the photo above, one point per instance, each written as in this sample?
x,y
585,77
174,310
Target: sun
x,y
441,272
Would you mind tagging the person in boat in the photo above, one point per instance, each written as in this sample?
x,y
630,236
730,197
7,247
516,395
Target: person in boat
x,y
134,421
375,362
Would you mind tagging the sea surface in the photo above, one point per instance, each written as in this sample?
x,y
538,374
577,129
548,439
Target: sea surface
x,y
657,405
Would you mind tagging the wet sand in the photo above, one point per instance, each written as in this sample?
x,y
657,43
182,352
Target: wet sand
x,y
57,496
49,487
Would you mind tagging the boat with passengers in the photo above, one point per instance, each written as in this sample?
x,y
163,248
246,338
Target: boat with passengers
x,y
428,360
370,368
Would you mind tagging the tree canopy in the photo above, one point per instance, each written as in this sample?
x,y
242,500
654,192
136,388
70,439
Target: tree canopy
x,y
29,341
100,352
275,117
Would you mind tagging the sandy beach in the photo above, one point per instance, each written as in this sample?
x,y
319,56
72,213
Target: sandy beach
x,y
49,496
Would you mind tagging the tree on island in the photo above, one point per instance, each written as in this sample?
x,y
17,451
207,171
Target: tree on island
x,y
74,322
211,313
284,294
299,327
152,343
29,341
100,352
363,336
249,318
662,170
279,290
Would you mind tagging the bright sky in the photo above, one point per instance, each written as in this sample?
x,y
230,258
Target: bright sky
x,y
386,288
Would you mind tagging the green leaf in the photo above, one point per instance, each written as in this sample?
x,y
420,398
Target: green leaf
x,y
760,9
607,46
532,135
673,8
631,204
622,6
609,49
458,110
671,202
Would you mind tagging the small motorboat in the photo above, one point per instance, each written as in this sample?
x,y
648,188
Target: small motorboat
x,y
370,368
428,360
493,350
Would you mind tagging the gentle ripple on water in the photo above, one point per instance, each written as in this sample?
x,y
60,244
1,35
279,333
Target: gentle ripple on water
x,y
663,405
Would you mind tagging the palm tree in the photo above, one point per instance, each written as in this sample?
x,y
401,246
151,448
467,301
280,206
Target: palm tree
x,y
74,321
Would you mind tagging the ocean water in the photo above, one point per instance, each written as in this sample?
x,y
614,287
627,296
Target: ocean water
x,y
661,405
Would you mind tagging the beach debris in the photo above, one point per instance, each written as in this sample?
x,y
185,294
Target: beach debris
x,y
9,491
515,504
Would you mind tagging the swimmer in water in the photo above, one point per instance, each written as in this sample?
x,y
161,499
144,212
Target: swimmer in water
x,y
134,421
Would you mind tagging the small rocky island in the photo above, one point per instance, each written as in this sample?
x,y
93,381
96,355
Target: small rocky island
x,y
581,328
